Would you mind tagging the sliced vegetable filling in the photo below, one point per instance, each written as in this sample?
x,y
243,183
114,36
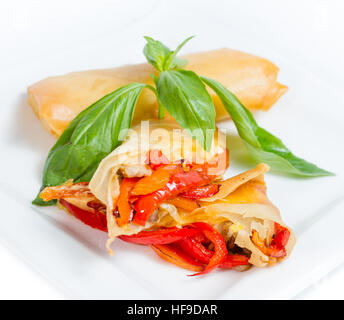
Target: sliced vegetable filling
x,y
196,246
276,247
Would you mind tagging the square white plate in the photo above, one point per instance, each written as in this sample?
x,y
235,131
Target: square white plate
x,y
308,119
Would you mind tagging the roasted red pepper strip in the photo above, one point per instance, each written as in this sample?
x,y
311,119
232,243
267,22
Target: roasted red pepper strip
x,y
180,181
171,253
216,238
162,236
94,219
124,208
281,236
234,260
156,159
184,203
181,247
152,183
276,248
196,250
271,251
201,192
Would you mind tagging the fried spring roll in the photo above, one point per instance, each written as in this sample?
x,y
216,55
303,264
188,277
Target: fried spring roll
x,y
129,182
57,100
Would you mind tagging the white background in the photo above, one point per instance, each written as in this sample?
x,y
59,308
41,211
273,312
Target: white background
x,y
311,32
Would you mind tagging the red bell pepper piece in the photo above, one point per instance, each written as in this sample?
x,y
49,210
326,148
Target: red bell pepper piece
x,y
195,249
180,181
146,205
276,248
124,207
201,192
216,238
94,219
184,203
171,253
234,260
162,236
275,252
152,183
271,250
156,159
281,236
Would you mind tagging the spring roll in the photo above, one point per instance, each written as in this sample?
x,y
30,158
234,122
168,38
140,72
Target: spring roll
x,y
57,100
166,180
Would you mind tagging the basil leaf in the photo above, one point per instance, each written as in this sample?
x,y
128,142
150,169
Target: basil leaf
x,y
156,53
89,138
262,145
177,63
172,62
185,97
161,57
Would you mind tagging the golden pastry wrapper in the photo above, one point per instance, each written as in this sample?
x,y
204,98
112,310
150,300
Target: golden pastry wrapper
x,y
240,206
58,100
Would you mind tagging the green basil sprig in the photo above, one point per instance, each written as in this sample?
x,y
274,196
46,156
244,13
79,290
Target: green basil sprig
x,y
181,92
161,57
262,145
89,138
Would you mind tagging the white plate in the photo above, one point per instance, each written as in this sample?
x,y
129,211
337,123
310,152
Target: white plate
x,y
308,119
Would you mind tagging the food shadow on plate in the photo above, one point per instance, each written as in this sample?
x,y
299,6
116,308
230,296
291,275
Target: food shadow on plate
x,y
27,131
92,239
238,153
240,157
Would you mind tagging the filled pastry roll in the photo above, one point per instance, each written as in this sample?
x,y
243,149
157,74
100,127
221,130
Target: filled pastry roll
x,y
57,100
160,188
